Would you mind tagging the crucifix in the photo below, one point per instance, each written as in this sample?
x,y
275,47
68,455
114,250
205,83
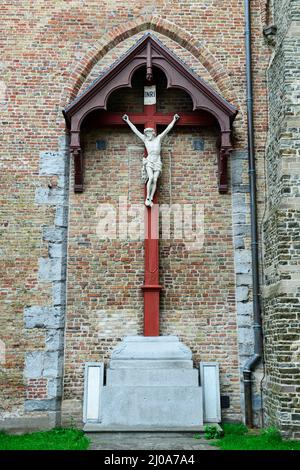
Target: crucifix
x,y
152,167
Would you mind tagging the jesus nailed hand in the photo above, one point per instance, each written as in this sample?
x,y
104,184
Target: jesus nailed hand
x,y
152,162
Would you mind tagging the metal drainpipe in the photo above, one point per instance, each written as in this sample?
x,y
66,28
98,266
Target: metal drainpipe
x,y
252,362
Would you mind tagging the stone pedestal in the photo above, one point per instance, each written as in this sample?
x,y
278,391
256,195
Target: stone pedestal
x,y
150,385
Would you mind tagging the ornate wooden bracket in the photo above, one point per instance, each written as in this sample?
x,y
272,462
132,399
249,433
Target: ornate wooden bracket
x,y
149,52
224,153
222,170
78,169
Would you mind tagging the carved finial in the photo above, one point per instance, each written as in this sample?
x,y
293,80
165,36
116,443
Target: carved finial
x,y
149,77
149,72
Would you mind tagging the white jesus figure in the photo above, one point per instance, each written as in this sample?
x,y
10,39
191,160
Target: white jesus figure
x,y
152,162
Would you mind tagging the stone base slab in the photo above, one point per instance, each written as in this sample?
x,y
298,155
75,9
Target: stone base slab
x,y
150,386
156,406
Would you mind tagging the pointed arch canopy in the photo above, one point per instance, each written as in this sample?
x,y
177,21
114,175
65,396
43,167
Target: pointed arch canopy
x,y
150,52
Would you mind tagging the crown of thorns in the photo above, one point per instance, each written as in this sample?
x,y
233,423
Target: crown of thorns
x,y
149,129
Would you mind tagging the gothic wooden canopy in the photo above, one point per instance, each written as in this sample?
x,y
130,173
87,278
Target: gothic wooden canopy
x,y
149,52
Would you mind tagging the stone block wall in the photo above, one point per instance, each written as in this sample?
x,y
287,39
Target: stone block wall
x,y
282,225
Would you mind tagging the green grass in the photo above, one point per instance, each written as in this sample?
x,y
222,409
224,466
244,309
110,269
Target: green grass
x,y
238,437
56,439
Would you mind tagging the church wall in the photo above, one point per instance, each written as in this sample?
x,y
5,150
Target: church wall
x,y
45,57
281,226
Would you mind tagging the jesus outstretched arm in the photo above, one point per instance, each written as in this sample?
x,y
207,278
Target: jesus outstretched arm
x,y
133,128
169,127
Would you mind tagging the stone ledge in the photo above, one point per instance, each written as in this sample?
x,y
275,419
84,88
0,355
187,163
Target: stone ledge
x,y
281,287
98,427
23,424
47,404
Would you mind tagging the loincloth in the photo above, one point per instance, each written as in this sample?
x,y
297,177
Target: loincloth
x,y
155,166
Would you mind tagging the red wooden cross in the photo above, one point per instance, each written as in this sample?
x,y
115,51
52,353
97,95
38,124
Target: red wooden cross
x,y
151,288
